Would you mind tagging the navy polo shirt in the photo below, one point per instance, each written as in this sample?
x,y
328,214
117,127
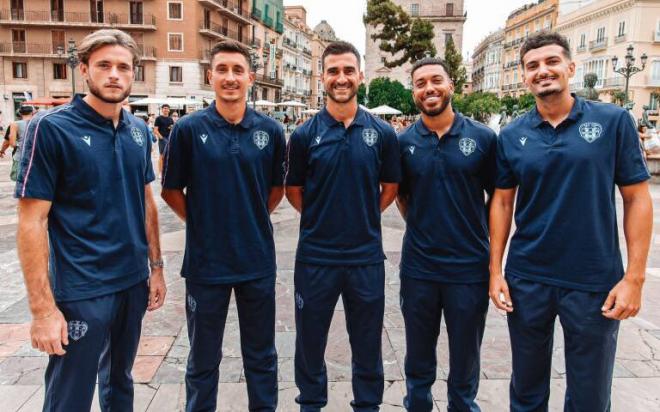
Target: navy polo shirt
x,y
95,177
566,229
228,172
445,181
340,170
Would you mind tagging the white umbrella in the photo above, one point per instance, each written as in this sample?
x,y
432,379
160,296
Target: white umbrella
x,y
384,110
264,103
172,101
292,103
310,111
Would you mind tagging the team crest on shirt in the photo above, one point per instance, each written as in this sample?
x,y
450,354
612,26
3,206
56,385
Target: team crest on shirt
x,y
590,131
203,136
411,149
260,138
467,146
77,329
137,135
87,139
370,136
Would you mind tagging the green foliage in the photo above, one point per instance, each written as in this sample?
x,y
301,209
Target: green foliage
x,y
618,97
392,93
454,62
526,101
399,33
508,102
362,94
477,105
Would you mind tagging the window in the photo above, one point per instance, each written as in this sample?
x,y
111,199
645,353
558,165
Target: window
x,y
205,74
176,74
622,29
175,42
139,73
175,11
18,39
96,11
448,37
655,70
19,70
59,71
414,9
450,9
58,40
136,15
583,40
600,35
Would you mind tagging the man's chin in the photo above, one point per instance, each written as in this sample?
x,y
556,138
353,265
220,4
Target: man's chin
x,y
548,92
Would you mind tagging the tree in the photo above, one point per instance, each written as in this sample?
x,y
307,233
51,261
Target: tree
x,y
392,93
526,101
404,38
454,62
362,94
508,102
618,97
477,105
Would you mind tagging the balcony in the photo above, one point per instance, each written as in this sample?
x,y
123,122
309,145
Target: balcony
x,y
275,81
620,38
268,21
229,8
256,43
27,49
652,81
279,27
611,83
219,32
581,48
146,52
36,18
656,36
597,45
307,51
256,13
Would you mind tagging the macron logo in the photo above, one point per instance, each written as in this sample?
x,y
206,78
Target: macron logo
x,y
523,140
87,139
204,137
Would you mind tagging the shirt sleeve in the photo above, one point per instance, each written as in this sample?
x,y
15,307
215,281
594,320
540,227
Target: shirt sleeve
x,y
390,170
489,167
39,165
279,156
176,162
505,177
296,160
149,175
630,165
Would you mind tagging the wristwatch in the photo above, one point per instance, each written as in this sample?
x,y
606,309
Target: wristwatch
x,y
158,263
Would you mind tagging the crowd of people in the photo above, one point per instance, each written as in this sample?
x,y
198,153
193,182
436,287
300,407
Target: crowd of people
x,y
88,232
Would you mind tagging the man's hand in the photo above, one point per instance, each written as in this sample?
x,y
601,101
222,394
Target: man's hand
x,y
624,300
499,293
157,289
49,333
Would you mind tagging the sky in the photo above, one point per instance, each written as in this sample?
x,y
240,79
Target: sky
x,y
345,16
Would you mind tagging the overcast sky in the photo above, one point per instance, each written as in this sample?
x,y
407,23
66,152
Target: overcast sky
x,y
345,16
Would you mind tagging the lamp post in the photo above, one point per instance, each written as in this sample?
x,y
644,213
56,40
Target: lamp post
x,y
255,66
629,69
71,60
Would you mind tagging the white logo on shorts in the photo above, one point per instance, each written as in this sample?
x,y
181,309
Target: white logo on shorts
x,y
192,303
590,131
88,140
260,138
370,136
467,146
137,135
77,329
299,301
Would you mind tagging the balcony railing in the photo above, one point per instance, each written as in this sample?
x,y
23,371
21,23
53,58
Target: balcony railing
x,y
26,48
268,21
620,38
596,45
78,18
222,31
652,81
233,7
279,27
581,48
256,13
146,52
611,82
270,80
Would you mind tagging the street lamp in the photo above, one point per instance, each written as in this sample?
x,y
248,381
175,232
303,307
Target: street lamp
x,y
255,65
629,69
71,60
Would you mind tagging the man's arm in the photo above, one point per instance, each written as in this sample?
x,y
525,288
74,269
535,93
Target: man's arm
x,y
157,288
156,130
388,193
275,197
625,299
13,134
294,195
402,204
501,211
176,200
48,331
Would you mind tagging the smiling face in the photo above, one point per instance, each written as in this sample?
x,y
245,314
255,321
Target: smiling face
x,y
341,77
109,73
432,89
230,76
547,70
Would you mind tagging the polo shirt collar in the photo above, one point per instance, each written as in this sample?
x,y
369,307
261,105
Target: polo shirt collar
x,y
576,112
246,123
456,126
88,112
360,118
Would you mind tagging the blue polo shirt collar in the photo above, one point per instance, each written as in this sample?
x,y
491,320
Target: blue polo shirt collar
x,y
246,123
576,112
360,118
455,130
79,104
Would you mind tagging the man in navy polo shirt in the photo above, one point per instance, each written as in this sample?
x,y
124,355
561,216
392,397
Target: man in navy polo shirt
x,y
343,171
229,159
448,164
565,157
84,196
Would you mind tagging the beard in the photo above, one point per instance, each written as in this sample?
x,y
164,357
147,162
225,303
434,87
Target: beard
x,y
334,98
96,91
549,92
433,112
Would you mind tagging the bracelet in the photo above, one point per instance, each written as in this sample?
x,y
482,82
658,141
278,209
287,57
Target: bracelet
x,y
158,263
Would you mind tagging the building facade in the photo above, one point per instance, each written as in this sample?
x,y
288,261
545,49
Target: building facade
x,y
487,64
297,56
323,35
268,28
604,29
520,24
447,17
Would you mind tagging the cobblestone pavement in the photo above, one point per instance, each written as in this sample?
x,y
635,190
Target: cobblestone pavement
x,y
160,364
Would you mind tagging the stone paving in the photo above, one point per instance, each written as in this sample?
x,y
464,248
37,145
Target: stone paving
x,y
160,365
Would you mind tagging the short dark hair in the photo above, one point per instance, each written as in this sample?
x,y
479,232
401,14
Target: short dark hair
x,y
340,47
231,46
165,106
25,110
429,61
545,38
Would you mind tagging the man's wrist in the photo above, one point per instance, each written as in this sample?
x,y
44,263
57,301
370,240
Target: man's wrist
x,y
635,277
156,263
